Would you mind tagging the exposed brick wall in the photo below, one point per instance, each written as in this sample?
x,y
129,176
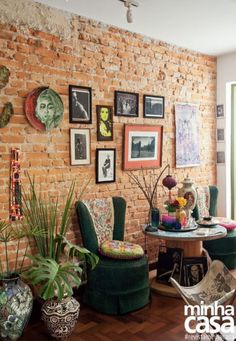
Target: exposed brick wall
x,y
107,59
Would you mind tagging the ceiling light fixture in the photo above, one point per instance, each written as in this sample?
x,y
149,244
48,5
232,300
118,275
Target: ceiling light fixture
x,y
129,4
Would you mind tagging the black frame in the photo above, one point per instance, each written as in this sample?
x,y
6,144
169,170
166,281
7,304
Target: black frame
x,y
81,92
169,264
130,96
201,265
220,111
145,108
220,157
220,135
98,156
100,137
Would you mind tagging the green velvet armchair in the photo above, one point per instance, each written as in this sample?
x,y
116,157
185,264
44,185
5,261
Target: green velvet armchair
x,y
115,286
223,249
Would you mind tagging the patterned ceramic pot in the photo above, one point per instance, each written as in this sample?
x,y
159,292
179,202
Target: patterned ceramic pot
x,y
60,317
16,302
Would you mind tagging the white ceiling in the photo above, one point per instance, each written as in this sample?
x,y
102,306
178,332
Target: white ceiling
x,y
207,26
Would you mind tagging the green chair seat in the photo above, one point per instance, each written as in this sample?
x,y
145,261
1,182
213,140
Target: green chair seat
x,y
115,286
223,249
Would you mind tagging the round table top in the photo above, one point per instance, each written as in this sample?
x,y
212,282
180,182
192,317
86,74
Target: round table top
x,y
201,233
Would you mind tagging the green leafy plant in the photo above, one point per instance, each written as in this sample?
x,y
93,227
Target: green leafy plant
x,y
54,270
10,233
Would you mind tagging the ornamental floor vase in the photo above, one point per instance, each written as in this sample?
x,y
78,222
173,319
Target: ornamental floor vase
x,y
16,302
60,317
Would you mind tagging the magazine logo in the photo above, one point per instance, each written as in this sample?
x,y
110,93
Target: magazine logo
x,y
209,318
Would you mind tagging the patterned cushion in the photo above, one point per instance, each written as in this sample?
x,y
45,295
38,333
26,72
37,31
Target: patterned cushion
x,y
203,201
121,249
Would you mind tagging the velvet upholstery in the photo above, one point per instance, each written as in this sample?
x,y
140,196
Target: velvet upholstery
x,y
115,286
223,249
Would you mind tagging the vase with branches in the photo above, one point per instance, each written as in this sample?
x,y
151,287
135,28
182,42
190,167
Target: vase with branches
x,y
148,186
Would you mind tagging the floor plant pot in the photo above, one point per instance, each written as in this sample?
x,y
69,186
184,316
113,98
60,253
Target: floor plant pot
x,y
16,302
60,317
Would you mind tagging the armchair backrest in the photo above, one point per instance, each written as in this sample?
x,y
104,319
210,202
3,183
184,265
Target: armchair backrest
x,y
212,206
88,233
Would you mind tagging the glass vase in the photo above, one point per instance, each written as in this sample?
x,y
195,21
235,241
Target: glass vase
x,y
155,217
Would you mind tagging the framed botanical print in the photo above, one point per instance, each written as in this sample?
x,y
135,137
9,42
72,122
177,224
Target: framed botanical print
x,y
126,104
80,147
153,106
104,123
142,146
105,165
80,104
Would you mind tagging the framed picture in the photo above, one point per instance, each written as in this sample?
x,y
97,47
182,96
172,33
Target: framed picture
x,y
105,165
80,147
220,135
153,106
220,111
187,147
194,269
220,157
80,104
169,265
126,104
142,146
104,123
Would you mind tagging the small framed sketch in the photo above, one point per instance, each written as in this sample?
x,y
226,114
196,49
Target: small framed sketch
x,y
80,147
126,104
220,111
142,146
153,106
220,157
105,165
104,123
194,269
220,135
80,104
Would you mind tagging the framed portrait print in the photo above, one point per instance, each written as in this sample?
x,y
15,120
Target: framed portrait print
x,y
142,146
153,106
194,269
220,135
220,111
104,123
80,104
80,147
126,104
220,157
105,165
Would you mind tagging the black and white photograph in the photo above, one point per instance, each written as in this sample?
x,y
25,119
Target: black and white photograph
x,y
80,104
194,269
169,265
126,104
105,165
143,147
80,147
153,106
220,157
220,111
220,135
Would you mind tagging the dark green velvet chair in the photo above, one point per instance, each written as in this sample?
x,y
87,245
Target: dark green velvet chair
x,y
223,249
115,286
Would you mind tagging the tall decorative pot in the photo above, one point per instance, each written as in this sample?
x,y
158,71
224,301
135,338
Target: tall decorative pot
x,y
16,302
60,317
189,192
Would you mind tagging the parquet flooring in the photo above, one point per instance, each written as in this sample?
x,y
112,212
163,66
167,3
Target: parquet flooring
x,y
161,320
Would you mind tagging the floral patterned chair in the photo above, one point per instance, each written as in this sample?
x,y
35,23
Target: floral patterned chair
x,y
119,284
218,285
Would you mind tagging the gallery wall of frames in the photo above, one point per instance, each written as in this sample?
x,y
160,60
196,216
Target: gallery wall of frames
x,y
98,104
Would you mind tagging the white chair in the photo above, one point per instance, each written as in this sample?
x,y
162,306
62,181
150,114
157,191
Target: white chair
x,y
218,287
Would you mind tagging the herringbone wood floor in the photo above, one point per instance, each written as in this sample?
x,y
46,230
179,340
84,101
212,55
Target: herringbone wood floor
x,y
161,320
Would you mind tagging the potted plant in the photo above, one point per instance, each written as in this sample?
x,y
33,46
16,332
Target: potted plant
x,y
54,271
16,298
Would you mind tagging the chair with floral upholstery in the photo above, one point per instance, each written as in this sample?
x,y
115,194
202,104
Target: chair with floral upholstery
x,y
217,287
119,283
